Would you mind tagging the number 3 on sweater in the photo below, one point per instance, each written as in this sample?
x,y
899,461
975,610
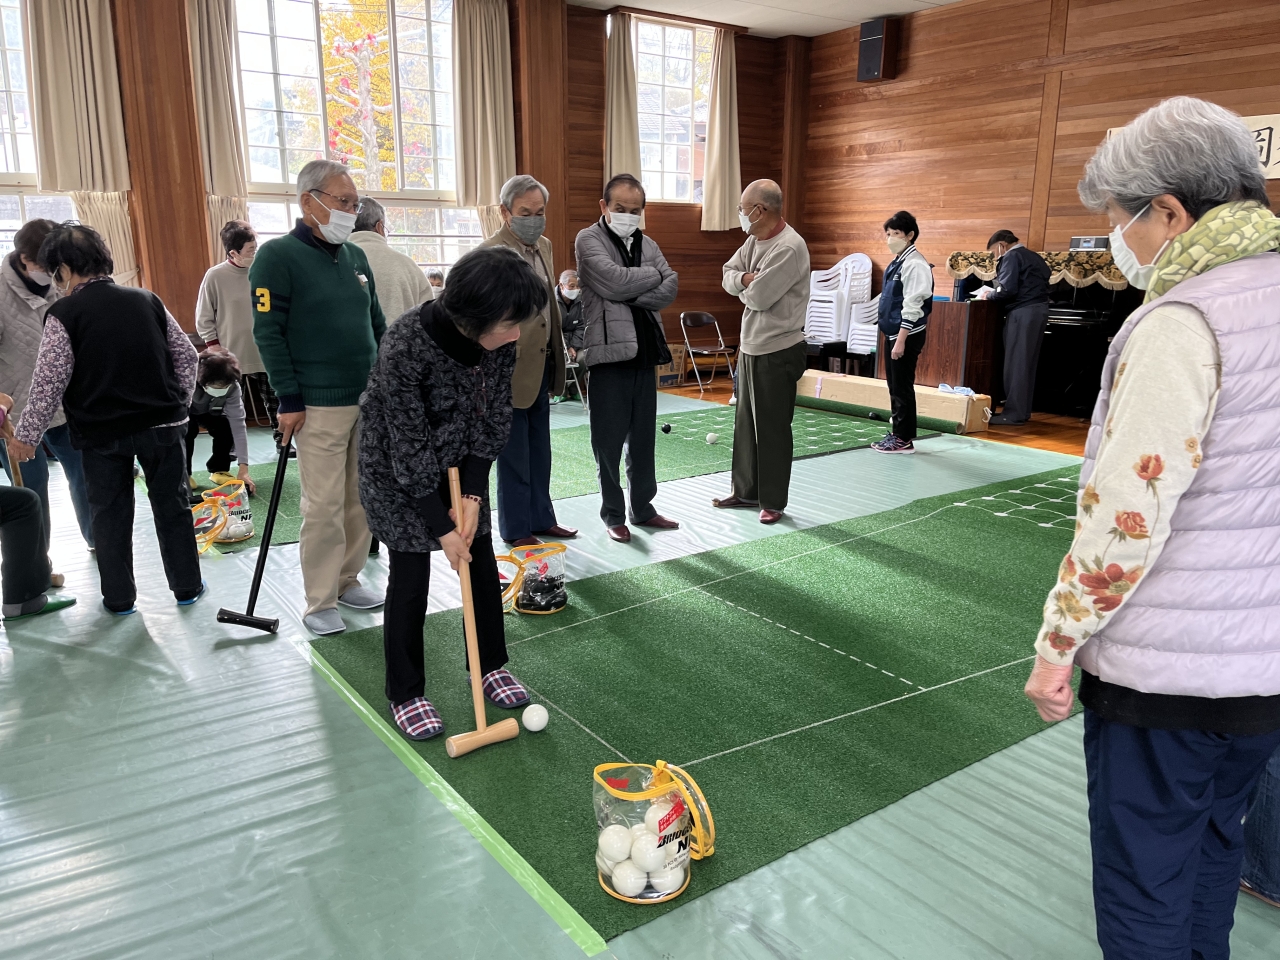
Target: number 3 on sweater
x,y
264,299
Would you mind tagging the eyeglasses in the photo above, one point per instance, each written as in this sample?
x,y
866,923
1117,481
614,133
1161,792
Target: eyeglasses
x,y
345,204
750,210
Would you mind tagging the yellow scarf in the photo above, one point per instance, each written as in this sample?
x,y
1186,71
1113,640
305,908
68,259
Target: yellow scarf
x,y
1233,231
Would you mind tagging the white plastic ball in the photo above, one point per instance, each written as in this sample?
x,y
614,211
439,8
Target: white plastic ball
x,y
614,843
712,437
628,879
646,854
667,881
657,810
535,717
639,830
604,865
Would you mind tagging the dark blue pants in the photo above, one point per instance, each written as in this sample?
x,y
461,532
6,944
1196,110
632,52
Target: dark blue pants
x,y
1164,814
524,470
1262,833
35,477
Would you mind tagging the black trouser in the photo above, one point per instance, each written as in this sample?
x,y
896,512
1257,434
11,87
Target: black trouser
x,y
108,471
22,545
408,580
624,411
269,398
224,443
901,376
1023,334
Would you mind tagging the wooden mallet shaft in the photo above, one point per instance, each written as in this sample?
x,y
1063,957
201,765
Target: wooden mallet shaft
x,y
463,743
15,468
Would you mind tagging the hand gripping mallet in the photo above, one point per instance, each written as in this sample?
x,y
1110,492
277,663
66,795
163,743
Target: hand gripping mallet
x,y
483,735
247,619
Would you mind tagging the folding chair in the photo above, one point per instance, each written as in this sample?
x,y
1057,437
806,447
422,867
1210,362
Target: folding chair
x,y
571,367
715,349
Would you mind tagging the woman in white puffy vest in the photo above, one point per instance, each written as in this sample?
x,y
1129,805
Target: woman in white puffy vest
x,y
1169,601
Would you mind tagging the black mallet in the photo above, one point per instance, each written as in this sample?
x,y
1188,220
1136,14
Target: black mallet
x,y
247,619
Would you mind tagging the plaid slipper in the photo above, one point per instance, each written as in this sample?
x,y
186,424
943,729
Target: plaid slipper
x,y
504,690
418,719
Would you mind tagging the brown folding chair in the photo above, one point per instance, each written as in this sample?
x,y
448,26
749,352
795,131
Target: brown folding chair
x,y
704,346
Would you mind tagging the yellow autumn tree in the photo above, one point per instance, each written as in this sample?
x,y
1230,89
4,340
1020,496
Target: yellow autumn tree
x,y
356,43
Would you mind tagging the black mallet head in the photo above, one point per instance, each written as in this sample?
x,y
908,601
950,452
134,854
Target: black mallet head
x,y
265,624
666,428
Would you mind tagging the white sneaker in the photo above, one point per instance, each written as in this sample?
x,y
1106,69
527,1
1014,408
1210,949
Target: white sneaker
x,y
324,623
733,401
361,598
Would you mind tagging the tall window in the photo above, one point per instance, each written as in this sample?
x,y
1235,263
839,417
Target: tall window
x,y
673,92
17,208
365,82
17,142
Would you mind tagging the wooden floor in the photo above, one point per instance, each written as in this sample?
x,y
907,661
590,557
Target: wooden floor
x,y
1046,431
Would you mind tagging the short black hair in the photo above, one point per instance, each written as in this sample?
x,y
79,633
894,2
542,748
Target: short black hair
x,y
1001,236
217,367
623,180
235,234
27,241
905,222
491,285
79,248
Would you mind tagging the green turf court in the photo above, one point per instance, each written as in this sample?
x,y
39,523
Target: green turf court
x,y
805,680
684,452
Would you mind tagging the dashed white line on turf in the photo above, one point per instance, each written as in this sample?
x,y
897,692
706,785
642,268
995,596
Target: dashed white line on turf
x,y
854,713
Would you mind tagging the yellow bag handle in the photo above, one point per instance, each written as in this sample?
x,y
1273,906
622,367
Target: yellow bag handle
x,y
665,777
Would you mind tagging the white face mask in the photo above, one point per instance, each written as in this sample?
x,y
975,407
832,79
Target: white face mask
x,y
624,224
339,226
245,260
897,244
217,391
39,277
1139,274
745,222
570,295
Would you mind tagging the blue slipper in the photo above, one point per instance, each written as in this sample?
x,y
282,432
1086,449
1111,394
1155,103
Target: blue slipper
x,y
118,613
204,586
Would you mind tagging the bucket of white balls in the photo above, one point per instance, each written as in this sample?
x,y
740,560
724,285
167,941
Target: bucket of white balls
x,y
653,822
533,579
223,515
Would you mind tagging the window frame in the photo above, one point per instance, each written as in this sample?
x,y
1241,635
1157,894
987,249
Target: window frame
x,y
20,179
8,189
271,191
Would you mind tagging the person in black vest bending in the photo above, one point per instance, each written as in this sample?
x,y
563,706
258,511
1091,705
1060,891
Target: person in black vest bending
x,y
906,301
123,371
1022,288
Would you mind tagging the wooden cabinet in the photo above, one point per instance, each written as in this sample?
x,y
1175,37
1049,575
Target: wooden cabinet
x,y
963,348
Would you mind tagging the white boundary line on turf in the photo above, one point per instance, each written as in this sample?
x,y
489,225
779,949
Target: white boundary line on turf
x,y
854,713
578,723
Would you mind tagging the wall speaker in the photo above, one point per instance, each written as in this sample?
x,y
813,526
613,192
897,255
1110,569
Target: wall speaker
x,y
878,49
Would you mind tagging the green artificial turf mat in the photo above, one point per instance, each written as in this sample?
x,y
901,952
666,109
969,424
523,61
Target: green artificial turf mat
x,y
805,680
684,452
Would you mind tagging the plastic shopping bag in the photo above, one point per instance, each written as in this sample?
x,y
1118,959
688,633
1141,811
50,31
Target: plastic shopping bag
x,y
533,579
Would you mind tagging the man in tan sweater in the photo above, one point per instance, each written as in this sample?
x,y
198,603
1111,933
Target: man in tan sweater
x,y
770,275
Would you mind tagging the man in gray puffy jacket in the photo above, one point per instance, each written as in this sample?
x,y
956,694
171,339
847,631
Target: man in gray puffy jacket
x,y
625,281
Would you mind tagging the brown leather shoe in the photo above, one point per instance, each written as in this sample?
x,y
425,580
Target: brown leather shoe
x,y
558,532
619,533
523,542
770,516
1246,887
659,522
735,501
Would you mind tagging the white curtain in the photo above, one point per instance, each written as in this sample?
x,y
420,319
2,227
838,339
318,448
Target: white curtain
x,y
621,117
485,112
108,213
212,28
722,172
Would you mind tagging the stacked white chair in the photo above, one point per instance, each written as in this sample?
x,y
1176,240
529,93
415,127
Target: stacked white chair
x,y
864,327
832,296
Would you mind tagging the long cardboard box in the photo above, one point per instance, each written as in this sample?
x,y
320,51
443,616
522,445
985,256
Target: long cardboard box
x,y
969,413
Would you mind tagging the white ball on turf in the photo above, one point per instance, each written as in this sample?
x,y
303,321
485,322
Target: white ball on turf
x,y
604,865
535,717
646,854
614,842
667,881
712,437
657,810
628,879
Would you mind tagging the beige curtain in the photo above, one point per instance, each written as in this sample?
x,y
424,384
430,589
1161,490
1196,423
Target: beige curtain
x,y
108,213
485,118
722,176
212,28
621,118
490,218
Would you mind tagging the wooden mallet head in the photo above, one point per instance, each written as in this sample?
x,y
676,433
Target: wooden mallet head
x,y
463,743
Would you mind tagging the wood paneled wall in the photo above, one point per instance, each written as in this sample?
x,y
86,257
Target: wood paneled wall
x,y
998,105
697,256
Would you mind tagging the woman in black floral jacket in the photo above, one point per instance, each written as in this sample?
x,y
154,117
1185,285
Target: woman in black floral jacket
x,y
439,396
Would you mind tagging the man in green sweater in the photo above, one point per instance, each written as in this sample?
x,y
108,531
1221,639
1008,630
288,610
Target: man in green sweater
x,y
317,324
770,275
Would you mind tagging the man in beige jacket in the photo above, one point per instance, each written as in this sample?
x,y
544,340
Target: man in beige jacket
x,y
524,467
401,283
770,275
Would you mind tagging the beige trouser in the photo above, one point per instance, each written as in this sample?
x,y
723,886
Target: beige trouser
x,y
334,544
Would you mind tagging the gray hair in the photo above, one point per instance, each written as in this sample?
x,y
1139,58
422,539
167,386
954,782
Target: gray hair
x,y
567,275
518,186
1197,151
371,211
435,273
317,173
767,193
